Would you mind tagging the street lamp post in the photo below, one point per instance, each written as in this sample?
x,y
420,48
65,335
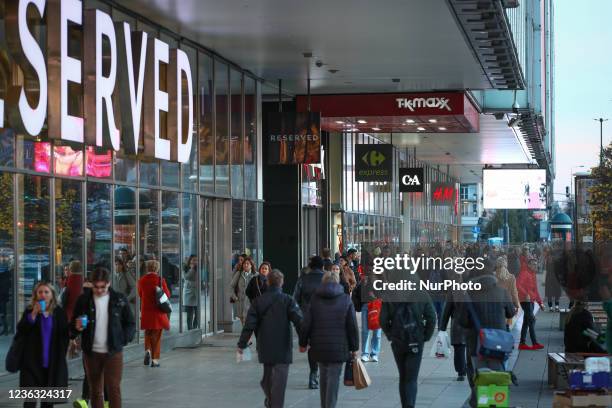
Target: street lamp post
x,y
601,121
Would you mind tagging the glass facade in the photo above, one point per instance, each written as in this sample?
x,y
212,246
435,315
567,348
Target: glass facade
x,y
376,211
63,202
372,211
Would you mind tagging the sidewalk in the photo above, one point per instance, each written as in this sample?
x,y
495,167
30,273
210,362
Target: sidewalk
x,y
531,366
208,376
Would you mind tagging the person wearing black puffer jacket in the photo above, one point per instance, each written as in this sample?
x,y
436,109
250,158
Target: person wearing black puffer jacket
x,y
305,288
330,329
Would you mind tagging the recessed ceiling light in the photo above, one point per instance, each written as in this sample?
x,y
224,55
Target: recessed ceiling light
x,y
375,129
420,128
441,128
361,121
339,122
409,120
355,130
433,120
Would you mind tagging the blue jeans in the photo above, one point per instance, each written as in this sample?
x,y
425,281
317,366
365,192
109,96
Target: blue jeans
x,y
366,335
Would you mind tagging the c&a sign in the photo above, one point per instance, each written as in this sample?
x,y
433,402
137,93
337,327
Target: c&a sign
x,y
129,79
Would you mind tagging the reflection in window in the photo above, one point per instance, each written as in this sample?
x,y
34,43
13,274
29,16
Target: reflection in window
x,y
205,128
125,168
33,235
236,135
250,137
148,216
34,155
7,259
221,128
191,265
98,232
99,162
206,264
124,231
251,230
238,228
66,161
68,222
190,169
171,254
7,147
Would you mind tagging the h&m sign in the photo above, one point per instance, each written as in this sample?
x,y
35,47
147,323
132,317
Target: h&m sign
x,y
132,78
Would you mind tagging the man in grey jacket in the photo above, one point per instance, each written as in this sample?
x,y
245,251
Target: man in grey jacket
x,y
270,317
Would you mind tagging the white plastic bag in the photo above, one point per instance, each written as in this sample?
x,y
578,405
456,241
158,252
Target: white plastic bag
x,y
441,347
244,356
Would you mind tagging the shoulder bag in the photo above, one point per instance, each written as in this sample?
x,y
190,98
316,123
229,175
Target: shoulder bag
x,y
493,344
163,303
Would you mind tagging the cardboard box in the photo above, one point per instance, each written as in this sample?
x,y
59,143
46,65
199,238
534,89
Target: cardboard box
x,y
493,395
564,400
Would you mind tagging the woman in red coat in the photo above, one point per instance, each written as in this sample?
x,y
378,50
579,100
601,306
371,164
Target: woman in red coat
x,y
152,319
527,287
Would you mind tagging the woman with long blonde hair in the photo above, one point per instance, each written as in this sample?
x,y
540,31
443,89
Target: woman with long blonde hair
x,y
506,280
44,331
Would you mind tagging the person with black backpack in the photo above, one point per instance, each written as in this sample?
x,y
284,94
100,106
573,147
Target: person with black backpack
x,y
408,325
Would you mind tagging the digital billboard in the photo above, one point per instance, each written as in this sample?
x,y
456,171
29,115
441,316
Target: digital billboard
x,y
514,189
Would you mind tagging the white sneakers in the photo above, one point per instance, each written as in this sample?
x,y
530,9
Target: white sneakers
x,y
365,358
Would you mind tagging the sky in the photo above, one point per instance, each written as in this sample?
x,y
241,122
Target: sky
x,y
583,84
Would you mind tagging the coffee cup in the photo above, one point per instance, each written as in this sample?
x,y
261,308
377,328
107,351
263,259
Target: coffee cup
x,y
84,321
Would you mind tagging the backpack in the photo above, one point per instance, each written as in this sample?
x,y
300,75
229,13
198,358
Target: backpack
x,y
406,331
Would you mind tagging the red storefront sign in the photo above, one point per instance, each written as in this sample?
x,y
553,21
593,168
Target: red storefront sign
x,y
428,112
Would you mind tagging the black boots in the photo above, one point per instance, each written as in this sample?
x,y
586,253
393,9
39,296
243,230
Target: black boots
x,y
313,381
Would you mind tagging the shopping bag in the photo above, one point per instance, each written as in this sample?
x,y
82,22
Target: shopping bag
x,y
348,374
360,375
244,356
441,347
374,308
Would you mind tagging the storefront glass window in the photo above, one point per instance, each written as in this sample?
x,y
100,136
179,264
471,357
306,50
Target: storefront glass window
x,y
238,228
98,232
33,235
124,230
190,263
250,223
68,223
7,144
205,123
221,128
190,169
171,252
148,218
236,134
7,261
169,169
206,264
250,137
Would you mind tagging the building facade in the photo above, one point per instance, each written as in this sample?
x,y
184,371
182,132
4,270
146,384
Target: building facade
x,y
63,202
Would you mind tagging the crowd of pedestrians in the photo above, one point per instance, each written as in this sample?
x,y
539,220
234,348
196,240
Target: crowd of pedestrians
x,y
99,319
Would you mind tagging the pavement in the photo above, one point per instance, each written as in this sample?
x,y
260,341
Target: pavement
x,y
208,376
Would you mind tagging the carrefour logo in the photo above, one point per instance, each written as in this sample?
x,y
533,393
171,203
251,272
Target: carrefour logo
x,y
434,102
373,158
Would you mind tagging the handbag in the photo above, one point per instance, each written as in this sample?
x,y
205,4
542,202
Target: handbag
x,y
348,374
360,375
15,354
494,344
374,308
163,303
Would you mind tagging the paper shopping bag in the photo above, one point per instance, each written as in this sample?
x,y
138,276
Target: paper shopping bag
x,y
360,375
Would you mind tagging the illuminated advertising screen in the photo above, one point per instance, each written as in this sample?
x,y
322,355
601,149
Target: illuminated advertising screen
x,y
514,189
